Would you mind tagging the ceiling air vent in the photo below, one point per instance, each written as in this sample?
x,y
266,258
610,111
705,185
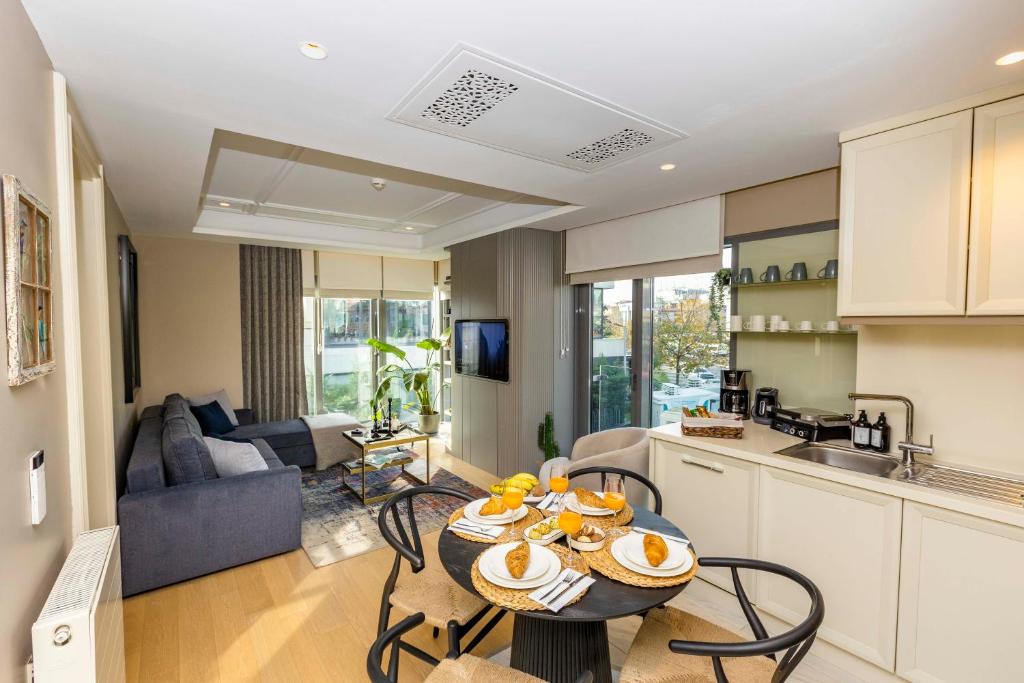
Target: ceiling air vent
x,y
468,98
625,140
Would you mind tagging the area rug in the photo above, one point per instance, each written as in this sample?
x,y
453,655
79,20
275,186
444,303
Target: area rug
x,y
336,526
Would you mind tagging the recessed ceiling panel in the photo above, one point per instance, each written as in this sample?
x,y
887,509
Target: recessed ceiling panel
x,y
242,175
454,209
484,99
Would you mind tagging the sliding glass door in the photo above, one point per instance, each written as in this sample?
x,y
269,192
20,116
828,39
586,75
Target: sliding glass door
x,y
407,322
611,355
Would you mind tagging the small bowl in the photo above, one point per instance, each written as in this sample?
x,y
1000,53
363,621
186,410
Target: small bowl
x,y
588,547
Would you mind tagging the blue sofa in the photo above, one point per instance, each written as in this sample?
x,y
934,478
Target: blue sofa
x,y
179,520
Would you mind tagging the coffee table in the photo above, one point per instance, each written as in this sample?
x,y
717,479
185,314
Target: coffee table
x,y
366,445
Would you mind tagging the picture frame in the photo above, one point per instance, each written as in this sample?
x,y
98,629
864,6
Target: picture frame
x,y
128,267
28,283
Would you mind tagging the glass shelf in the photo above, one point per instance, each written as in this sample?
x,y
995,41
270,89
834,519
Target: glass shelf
x,y
783,283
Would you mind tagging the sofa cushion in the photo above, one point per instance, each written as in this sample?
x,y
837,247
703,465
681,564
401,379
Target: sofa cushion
x,y
212,419
232,458
220,397
145,468
186,458
283,434
268,453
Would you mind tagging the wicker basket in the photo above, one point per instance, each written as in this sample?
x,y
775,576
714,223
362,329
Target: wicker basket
x,y
718,426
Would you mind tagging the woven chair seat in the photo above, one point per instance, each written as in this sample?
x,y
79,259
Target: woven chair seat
x,y
649,659
434,593
470,669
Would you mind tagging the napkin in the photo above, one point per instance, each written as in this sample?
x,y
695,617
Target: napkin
x,y
478,530
547,501
561,599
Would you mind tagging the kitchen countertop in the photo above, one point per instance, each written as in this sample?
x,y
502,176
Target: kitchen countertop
x,y
760,443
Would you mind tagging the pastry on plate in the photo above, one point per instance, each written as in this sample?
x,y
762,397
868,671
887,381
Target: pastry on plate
x,y
589,498
518,559
495,506
655,549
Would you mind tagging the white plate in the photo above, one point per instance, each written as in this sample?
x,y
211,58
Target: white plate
x,y
492,567
635,551
472,513
551,536
595,512
618,552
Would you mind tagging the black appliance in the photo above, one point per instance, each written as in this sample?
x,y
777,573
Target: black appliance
x,y
812,424
766,399
734,396
481,348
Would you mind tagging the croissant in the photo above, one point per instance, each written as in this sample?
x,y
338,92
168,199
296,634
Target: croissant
x,y
589,498
655,549
495,506
518,559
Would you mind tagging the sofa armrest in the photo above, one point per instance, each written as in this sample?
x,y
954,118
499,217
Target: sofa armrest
x,y
180,532
245,416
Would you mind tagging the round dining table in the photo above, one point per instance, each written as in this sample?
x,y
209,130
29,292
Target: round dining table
x,y
558,647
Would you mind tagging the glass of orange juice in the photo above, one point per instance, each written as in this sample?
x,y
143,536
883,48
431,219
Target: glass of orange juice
x,y
570,520
559,479
513,499
615,499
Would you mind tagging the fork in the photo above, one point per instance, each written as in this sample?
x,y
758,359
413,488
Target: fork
x,y
567,578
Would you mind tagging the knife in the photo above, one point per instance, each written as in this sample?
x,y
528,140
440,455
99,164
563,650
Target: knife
x,y
640,530
471,527
565,590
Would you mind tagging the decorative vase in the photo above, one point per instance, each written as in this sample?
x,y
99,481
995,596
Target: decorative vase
x,y
429,424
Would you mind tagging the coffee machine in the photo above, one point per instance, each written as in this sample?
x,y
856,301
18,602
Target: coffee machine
x,y
734,395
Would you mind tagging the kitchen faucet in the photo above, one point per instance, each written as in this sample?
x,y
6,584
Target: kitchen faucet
x,y
907,446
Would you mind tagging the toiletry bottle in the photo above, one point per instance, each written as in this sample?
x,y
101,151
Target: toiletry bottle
x,y
880,435
862,431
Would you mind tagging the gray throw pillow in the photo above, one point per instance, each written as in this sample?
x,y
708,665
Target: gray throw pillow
x,y
233,457
220,397
186,458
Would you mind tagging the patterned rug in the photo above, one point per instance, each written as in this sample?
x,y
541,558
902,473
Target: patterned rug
x,y
335,524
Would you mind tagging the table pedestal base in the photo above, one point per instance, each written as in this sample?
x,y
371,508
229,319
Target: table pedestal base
x,y
559,651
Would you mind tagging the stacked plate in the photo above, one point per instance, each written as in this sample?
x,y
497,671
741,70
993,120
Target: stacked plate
x,y
629,552
543,568
472,513
594,512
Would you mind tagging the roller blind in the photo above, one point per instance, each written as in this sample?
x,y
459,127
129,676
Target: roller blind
x,y
676,240
357,275
408,275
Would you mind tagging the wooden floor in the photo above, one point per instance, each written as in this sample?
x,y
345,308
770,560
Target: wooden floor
x,y
281,619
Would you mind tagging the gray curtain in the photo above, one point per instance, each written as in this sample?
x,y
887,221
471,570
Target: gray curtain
x,y
272,371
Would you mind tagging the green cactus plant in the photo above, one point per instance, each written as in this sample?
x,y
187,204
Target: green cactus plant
x,y
546,437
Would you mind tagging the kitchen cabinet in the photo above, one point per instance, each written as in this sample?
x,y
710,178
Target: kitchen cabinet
x,y
847,540
995,283
904,216
713,498
961,612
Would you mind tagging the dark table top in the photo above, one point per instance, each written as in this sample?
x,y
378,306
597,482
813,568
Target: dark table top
x,y
606,599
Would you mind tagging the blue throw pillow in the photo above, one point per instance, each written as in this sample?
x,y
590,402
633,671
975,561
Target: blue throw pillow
x,y
212,419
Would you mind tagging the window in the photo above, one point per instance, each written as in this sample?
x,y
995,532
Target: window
x,y
408,322
678,359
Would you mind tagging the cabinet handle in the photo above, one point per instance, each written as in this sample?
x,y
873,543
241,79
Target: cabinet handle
x,y
705,465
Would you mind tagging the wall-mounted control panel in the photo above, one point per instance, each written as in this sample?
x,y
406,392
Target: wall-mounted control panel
x,y
37,486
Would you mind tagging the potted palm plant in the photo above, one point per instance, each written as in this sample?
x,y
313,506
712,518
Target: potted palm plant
x,y
414,379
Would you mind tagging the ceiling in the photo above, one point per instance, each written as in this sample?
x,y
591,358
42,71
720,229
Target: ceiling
x,y
734,93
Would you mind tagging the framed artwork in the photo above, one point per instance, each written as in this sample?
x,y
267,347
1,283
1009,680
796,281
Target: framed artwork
x,y
28,284
128,260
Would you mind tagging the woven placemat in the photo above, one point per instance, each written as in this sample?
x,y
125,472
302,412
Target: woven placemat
x,y
533,515
603,522
603,563
510,598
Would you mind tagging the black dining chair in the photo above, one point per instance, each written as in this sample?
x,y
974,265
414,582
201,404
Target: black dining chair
x,y
463,668
628,474
427,590
716,654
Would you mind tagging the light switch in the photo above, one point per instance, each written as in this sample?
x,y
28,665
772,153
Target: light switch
x,y
37,486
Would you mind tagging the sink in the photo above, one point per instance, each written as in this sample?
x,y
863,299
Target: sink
x,y
844,458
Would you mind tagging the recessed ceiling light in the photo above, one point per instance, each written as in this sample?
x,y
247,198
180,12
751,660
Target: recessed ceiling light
x,y
313,50
224,204
409,227
667,167
1012,58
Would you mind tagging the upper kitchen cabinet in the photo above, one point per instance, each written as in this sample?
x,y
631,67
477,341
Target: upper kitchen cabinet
x,y
904,212
995,284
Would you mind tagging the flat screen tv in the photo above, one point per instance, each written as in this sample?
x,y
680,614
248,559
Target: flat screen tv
x,y
481,348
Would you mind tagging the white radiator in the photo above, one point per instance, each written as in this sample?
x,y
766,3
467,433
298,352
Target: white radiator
x,y
79,635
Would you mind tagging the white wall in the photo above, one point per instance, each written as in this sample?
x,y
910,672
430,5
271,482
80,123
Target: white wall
x,y
32,416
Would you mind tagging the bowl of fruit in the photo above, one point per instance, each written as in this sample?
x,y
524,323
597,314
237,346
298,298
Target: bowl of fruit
x,y
589,538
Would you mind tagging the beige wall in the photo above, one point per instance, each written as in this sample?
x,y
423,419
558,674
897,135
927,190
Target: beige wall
x,y
794,201
189,319
32,416
125,414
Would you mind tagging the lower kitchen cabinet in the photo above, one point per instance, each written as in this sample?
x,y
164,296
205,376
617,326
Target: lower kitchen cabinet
x,y
961,613
846,540
713,499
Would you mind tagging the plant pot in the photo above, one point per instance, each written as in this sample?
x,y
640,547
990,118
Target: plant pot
x,y
429,424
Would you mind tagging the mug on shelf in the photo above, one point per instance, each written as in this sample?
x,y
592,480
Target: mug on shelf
x,y
798,272
806,326
830,271
746,277
754,324
771,274
783,326
831,326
